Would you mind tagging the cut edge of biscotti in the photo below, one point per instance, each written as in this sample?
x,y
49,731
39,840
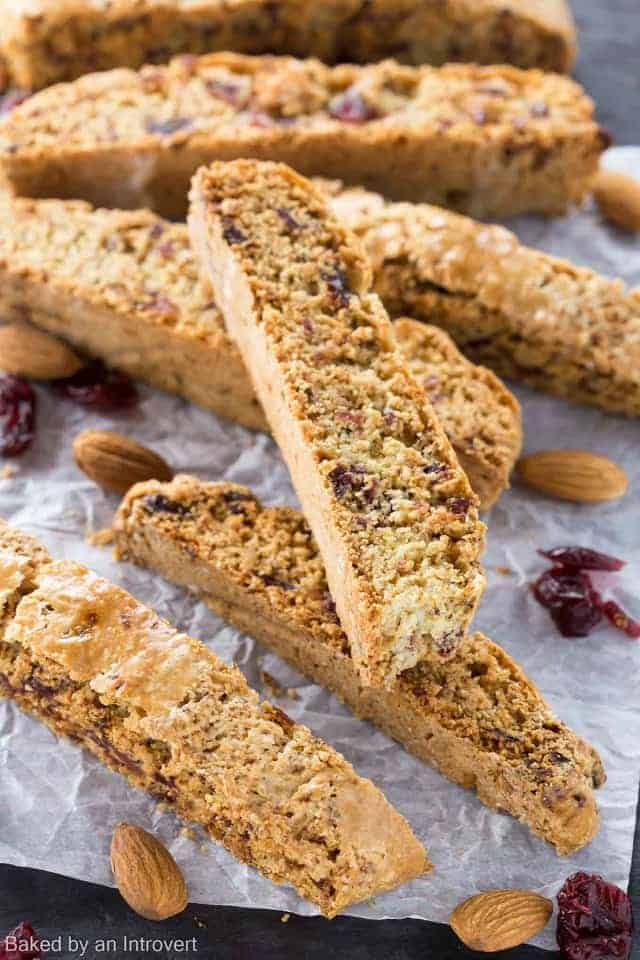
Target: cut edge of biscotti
x,y
476,717
161,708
391,508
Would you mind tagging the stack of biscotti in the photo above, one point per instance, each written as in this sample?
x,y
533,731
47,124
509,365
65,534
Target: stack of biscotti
x,y
95,665
475,716
124,286
527,315
391,508
490,141
45,41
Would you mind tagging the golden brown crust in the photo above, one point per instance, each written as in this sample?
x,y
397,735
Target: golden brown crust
x,y
527,315
491,141
382,489
93,663
46,41
476,717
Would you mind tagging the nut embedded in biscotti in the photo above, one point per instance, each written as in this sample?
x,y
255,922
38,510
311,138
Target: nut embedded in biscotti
x,y
34,355
576,475
618,199
115,462
146,874
500,919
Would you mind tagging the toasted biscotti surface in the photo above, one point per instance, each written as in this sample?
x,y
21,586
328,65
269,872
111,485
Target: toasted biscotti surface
x,y
123,286
93,663
528,315
486,140
45,41
475,716
392,510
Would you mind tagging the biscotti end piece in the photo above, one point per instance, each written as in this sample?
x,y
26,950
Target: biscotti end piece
x,y
490,141
475,716
393,512
158,706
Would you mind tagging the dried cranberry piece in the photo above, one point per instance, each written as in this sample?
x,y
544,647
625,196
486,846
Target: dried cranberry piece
x,y
345,479
230,232
96,386
20,944
595,921
158,503
571,600
337,283
577,621
167,127
229,92
351,107
460,506
290,222
621,620
17,415
582,558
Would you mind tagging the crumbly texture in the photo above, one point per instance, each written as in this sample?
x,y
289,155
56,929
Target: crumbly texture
x,y
123,286
385,496
527,315
491,141
46,41
476,717
159,707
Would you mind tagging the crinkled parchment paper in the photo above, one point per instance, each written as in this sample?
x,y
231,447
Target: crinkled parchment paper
x,y
59,805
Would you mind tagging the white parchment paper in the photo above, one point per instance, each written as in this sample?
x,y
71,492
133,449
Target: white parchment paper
x,y
59,805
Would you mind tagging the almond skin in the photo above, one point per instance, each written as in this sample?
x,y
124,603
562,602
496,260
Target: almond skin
x,y
576,475
618,198
146,874
500,919
34,355
115,462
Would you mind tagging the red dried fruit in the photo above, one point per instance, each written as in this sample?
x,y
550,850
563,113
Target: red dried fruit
x,y
20,944
96,386
231,233
351,107
621,620
347,479
595,921
570,598
460,506
158,503
582,558
17,415
338,288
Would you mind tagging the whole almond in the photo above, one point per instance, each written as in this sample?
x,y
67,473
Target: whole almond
x,y
500,919
618,197
576,475
147,876
30,353
116,462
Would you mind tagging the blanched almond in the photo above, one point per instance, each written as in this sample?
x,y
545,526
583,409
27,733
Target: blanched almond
x,y
147,876
34,355
576,475
500,919
116,462
618,197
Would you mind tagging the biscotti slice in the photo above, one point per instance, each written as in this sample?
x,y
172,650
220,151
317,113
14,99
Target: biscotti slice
x,y
476,717
159,707
491,141
391,508
527,315
46,41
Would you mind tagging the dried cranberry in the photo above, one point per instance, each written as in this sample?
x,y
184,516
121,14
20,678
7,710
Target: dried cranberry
x,y
616,615
229,92
158,503
167,127
290,222
570,598
231,233
20,944
96,386
595,921
351,107
337,283
582,558
345,479
460,506
17,415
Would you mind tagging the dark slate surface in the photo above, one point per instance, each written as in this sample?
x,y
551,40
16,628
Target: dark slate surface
x,y
609,66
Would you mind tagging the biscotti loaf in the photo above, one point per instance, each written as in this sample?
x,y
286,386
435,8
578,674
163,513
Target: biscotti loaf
x,y
476,717
123,286
45,41
490,141
159,707
391,508
527,315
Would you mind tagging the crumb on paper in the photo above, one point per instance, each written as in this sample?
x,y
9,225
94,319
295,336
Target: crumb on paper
x,y
187,833
200,923
275,688
505,571
8,471
162,807
204,846
285,918
101,538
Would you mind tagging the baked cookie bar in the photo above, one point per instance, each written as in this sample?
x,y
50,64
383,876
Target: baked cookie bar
x,y
95,665
123,286
391,508
491,141
476,717
527,315
45,41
